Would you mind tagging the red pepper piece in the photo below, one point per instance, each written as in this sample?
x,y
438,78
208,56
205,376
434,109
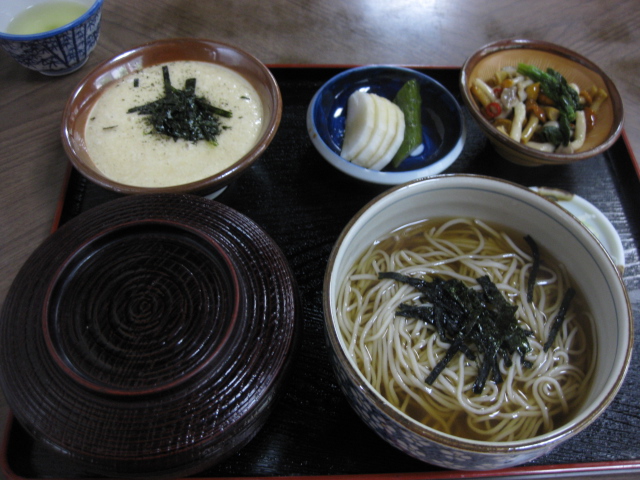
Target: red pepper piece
x,y
493,110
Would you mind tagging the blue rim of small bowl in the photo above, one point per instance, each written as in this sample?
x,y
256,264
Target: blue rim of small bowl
x,y
50,33
325,122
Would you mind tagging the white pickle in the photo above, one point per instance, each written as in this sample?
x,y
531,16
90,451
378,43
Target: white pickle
x,y
374,130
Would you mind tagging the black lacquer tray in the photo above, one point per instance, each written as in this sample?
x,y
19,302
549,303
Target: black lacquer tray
x,y
303,204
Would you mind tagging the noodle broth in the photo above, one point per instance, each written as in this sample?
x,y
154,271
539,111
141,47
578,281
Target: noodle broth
x,y
396,353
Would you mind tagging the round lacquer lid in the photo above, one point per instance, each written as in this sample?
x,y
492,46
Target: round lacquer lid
x,y
149,336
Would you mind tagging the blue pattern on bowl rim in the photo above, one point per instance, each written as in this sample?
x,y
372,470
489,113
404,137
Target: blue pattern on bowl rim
x,y
414,445
60,51
443,130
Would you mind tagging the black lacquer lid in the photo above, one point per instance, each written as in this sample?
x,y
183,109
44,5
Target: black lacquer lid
x,y
149,336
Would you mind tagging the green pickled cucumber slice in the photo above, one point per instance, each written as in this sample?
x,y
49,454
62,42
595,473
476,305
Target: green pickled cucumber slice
x,y
409,100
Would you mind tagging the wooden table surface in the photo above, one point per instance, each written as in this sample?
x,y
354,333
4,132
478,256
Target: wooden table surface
x,y
292,32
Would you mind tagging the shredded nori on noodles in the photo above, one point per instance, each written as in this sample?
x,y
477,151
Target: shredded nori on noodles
x,y
557,323
535,253
480,324
181,114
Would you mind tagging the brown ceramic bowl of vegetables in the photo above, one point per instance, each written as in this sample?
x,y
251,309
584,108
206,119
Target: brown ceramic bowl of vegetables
x,y
172,116
539,103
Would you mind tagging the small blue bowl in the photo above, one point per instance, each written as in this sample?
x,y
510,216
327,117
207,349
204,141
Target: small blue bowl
x,y
55,52
443,129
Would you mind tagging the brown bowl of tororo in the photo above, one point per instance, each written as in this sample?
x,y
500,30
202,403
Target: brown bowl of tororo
x,y
172,116
540,103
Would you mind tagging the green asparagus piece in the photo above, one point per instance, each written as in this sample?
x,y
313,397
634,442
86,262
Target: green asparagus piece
x,y
556,87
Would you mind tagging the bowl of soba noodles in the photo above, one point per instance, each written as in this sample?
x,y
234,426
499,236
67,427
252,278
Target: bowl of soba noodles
x,y
473,323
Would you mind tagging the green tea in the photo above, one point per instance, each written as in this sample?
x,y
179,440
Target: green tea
x,y
45,17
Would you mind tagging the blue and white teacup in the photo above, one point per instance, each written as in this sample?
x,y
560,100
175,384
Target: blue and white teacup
x,y
59,50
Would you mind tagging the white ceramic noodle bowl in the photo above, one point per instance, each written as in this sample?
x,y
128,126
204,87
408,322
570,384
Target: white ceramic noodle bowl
x,y
555,230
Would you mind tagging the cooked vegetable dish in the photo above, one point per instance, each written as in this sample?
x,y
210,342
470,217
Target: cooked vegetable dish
x,y
539,108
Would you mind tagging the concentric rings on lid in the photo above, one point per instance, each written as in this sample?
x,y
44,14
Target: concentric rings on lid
x,y
149,335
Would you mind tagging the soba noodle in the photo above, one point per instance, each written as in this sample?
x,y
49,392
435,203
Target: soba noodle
x,y
395,354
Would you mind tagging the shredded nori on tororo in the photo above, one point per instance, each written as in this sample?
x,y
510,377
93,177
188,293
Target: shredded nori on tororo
x,y
181,114
479,323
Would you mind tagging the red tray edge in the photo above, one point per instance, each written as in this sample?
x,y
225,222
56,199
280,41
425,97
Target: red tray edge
x,y
594,468
571,469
